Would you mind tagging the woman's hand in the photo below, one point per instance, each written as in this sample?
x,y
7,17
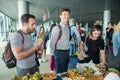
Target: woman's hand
x,y
84,55
103,64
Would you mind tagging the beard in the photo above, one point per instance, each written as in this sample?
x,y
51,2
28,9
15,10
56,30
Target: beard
x,y
29,30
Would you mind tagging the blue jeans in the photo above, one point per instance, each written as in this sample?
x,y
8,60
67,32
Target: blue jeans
x,y
23,72
61,60
73,62
72,49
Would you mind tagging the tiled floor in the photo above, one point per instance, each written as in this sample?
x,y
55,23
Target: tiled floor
x,y
6,74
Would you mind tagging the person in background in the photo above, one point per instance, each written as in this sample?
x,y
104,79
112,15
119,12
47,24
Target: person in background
x,y
41,35
113,63
34,34
61,47
52,59
81,32
74,44
25,53
47,44
97,23
75,36
109,35
116,39
95,45
11,32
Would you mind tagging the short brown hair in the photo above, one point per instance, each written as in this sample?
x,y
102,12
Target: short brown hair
x,y
64,9
25,18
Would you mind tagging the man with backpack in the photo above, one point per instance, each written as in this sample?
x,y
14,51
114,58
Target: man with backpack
x,y
25,52
60,44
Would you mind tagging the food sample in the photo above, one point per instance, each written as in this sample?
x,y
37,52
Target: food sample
x,y
36,76
88,71
100,68
49,76
75,75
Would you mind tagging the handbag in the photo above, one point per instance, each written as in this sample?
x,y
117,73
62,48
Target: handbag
x,y
80,57
36,59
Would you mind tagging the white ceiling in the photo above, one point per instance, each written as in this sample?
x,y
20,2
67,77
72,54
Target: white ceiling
x,y
83,10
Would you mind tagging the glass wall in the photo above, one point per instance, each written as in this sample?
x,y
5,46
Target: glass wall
x,y
6,24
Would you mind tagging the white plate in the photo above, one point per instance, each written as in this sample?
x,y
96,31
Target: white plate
x,y
65,78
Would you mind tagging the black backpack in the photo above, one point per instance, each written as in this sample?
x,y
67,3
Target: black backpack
x,y
8,56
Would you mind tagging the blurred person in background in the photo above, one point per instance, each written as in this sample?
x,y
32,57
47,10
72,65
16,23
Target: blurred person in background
x,y
74,44
109,35
81,31
113,62
41,35
11,32
52,59
75,36
47,44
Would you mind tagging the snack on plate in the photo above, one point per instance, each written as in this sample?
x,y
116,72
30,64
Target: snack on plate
x,y
75,75
94,77
88,71
36,76
49,76
75,71
91,68
79,77
100,68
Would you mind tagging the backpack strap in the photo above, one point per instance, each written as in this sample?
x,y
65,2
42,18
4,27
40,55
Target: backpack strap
x,y
71,36
20,32
60,34
70,33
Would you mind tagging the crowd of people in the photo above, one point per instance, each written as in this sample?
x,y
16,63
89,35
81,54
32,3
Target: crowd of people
x,y
65,39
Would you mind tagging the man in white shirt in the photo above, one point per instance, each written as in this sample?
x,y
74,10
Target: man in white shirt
x,y
61,46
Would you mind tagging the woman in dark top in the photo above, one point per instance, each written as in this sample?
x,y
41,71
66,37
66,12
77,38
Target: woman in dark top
x,y
109,34
95,45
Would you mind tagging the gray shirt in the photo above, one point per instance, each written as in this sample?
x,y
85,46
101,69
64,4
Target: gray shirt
x,y
63,43
16,41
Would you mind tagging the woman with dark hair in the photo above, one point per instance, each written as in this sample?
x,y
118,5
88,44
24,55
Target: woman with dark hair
x,y
95,45
52,60
41,35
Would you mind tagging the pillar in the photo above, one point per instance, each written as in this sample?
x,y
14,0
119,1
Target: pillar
x,y
106,19
106,15
23,8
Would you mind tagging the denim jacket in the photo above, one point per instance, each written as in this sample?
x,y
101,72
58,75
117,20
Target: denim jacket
x,y
74,31
116,42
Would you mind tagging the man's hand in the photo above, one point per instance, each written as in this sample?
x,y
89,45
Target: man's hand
x,y
38,44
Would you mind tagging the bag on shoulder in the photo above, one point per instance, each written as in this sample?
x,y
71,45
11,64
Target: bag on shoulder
x,y
8,56
80,57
